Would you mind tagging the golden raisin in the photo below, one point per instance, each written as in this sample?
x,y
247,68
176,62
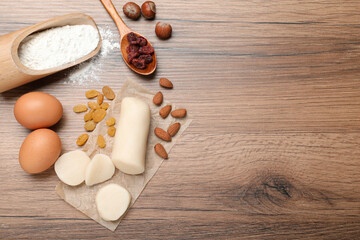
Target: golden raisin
x,y
82,139
111,131
90,126
108,92
101,141
110,122
99,115
104,105
100,99
91,94
89,115
80,108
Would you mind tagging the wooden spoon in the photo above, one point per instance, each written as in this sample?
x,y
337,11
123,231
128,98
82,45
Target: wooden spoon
x,y
13,73
124,31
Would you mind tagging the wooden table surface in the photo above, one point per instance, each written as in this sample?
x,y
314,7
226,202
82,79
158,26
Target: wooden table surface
x,y
274,148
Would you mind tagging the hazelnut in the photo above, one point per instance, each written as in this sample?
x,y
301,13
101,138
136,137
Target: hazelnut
x,y
163,30
132,10
148,10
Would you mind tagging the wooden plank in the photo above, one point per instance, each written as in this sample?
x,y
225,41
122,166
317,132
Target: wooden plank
x,y
272,153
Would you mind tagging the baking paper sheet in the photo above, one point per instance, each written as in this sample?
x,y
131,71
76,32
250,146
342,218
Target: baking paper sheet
x,y
82,197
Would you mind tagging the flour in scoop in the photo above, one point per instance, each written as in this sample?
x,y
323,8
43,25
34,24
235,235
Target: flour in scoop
x,y
57,46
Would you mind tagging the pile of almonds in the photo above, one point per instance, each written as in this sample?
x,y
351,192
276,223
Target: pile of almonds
x,y
164,113
96,113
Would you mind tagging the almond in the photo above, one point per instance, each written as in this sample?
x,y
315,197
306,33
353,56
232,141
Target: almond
x,y
93,105
101,141
80,108
173,129
104,105
90,126
166,83
91,94
158,98
160,133
179,113
82,139
99,115
164,112
160,150
89,115
110,122
108,92
111,131
100,99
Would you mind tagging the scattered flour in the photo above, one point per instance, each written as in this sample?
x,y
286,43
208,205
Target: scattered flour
x,y
57,46
87,72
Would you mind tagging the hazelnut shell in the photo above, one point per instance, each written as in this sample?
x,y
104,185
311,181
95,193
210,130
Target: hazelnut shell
x,y
132,10
148,10
163,30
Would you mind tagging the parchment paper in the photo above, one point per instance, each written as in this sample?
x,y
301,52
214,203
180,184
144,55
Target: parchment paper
x,y
82,197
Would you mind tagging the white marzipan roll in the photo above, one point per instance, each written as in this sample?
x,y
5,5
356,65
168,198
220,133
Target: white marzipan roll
x,y
129,149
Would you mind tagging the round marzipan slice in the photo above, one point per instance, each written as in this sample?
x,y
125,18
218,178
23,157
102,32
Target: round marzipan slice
x,y
100,169
112,201
71,167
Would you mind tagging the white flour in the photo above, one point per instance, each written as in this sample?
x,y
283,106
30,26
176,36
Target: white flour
x,y
57,46
87,72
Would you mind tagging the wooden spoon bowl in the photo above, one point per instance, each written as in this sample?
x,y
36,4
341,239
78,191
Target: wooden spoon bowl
x,y
124,31
150,68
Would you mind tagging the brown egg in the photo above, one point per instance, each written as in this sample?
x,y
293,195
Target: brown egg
x,y
39,151
37,110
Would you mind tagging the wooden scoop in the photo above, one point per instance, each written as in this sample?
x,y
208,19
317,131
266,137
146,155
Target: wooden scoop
x,y
124,31
13,73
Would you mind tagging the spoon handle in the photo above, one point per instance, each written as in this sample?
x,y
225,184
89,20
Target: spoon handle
x,y
123,29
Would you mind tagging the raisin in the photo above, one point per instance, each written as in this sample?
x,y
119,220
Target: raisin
x,y
146,50
142,41
132,48
138,47
132,55
139,63
148,58
131,37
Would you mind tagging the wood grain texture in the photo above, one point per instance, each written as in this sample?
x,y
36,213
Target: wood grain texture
x,y
272,153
